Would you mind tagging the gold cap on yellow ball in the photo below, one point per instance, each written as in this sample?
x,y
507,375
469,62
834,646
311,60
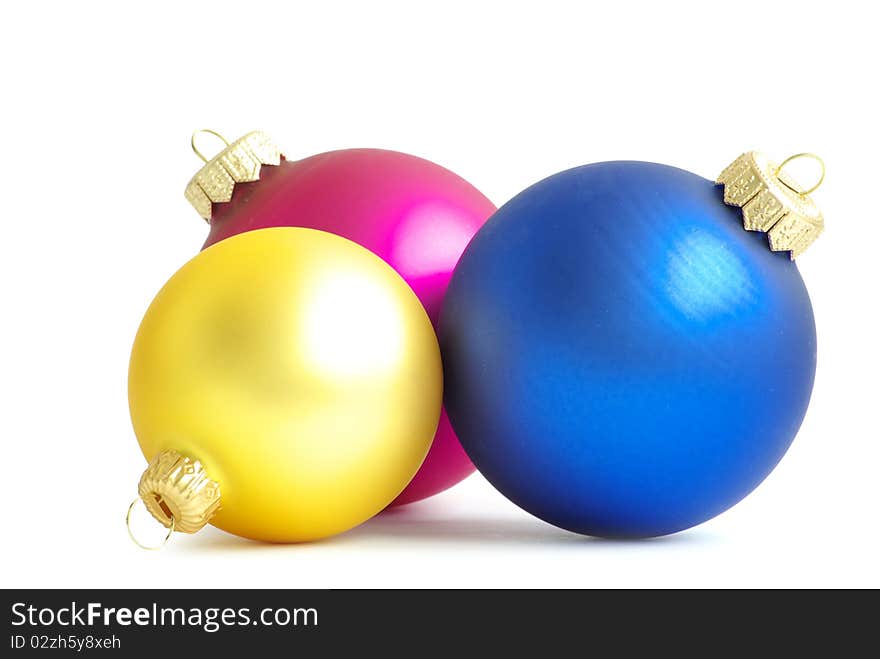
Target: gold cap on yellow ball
x,y
178,493
177,490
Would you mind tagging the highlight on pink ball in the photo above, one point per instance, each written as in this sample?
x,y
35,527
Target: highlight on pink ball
x,y
416,215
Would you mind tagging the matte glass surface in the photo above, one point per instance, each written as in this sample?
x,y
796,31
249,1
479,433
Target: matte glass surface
x,y
621,357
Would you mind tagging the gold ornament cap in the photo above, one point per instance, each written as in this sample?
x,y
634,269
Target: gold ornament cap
x,y
238,162
177,491
772,202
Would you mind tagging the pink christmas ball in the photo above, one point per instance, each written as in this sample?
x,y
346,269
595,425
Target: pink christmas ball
x,y
416,215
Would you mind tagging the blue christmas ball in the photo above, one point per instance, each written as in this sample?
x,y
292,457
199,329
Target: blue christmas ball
x,y
621,357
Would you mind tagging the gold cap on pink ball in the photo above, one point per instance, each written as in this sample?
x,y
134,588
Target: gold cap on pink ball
x,y
238,162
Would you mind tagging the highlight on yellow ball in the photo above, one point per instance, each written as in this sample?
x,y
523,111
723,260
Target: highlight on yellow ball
x,y
286,384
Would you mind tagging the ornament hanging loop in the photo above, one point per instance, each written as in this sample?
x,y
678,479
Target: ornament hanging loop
x,y
796,156
192,141
138,542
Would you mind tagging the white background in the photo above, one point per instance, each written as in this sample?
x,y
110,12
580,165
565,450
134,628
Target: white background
x,y
99,100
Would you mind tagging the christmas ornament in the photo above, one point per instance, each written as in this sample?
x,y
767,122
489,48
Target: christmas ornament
x,y
416,215
285,385
621,357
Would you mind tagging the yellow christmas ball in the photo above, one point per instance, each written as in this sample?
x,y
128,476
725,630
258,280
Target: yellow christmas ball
x,y
285,384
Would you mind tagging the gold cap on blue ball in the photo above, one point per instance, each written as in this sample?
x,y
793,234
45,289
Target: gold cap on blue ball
x,y
772,202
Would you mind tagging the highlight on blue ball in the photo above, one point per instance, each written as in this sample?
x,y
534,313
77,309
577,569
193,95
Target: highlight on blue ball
x,y
621,357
